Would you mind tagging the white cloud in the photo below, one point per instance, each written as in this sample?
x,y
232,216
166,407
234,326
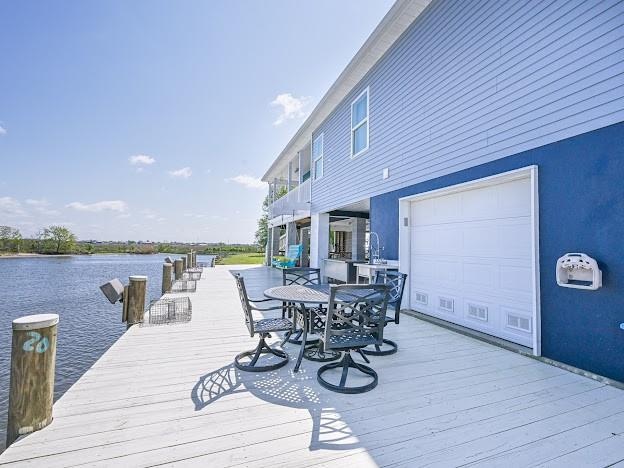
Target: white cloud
x,y
11,207
2,130
42,207
291,107
247,181
183,173
141,160
107,205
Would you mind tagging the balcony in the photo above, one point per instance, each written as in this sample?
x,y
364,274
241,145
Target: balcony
x,y
292,206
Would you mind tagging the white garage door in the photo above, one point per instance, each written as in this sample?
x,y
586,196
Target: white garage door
x,y
471,259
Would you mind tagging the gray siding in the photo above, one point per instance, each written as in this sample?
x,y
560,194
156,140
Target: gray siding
x,y
471,82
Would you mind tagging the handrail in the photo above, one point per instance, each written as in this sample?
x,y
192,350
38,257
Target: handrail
x,y
298,199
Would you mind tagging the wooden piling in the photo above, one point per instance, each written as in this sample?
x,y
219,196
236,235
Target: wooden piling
x,y
178,268
166,277
136,299
194,259
184,266
33,359
189,260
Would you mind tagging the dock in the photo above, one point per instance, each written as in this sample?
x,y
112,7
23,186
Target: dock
x,y
170,395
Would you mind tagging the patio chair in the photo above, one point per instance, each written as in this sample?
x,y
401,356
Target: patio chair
x,y
305,277
290,259
396,281
264,328
348,328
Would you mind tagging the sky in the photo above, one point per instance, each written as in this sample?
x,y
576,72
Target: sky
x,y
154,120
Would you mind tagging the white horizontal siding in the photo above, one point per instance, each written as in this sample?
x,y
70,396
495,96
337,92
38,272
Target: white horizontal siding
x,y
471,82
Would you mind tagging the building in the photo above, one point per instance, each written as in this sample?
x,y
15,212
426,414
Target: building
x,y
481,142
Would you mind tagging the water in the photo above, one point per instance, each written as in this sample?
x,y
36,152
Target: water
x,y
68,286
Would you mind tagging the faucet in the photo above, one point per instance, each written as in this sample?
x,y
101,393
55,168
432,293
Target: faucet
x,y
373,252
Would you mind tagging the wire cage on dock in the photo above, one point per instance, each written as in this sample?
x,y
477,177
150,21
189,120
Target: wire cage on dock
x,y
168,310
191,275
183,286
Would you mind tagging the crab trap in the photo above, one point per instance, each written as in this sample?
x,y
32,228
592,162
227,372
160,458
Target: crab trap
x,y
183,286
191,275
168,310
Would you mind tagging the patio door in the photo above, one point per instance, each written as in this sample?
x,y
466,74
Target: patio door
x,y
472,257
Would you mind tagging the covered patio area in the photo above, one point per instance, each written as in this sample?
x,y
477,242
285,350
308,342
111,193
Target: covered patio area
x,y
171,395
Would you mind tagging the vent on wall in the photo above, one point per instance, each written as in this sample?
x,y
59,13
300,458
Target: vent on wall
x,y
421,298
517,322
479,312
446,304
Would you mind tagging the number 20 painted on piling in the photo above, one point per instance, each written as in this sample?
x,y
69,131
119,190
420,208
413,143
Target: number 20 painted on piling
x,y
41,346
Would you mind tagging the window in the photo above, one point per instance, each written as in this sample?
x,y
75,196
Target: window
x,y
317,156
359,124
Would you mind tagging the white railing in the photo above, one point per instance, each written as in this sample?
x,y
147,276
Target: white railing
x,y
294,203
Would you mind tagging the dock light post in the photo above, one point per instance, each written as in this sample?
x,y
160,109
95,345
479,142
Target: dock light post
x,y
33,359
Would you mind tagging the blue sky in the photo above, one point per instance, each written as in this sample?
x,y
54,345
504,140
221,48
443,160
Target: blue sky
x,y
154,119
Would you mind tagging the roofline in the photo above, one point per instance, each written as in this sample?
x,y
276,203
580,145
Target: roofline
x,y
394,23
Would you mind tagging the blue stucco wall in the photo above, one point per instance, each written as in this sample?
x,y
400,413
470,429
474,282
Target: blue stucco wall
x,y
581,209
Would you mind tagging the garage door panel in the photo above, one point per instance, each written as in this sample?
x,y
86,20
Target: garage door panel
x,y
514,198
471,259
480,275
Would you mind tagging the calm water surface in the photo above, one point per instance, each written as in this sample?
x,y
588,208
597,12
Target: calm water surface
x,y
69,287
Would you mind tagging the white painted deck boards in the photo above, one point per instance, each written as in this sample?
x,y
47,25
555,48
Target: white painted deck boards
x,y
168,395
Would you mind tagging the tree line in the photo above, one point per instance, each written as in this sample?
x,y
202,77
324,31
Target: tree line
x,y
53,239
60,240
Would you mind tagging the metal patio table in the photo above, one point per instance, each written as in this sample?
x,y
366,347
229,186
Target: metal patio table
x,y
309,298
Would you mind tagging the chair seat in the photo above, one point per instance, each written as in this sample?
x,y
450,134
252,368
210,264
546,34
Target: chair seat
x,y
351,339
272,325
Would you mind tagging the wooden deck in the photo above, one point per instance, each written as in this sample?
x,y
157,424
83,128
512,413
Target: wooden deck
x,y
169,395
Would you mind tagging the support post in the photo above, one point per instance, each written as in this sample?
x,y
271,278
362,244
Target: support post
x,y
33,359
189,260
319,241
194,259
305,240
178,268
136,299
275,238
291,234
166,277
184,265
358,238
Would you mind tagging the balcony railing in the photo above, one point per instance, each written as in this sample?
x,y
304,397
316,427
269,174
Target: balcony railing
x,y
294,203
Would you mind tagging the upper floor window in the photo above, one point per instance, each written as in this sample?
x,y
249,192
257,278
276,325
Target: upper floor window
x,y
317,156
359,124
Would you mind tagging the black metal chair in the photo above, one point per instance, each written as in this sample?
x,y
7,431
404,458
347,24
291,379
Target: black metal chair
x,y
396,281
348,327
303,276
262,327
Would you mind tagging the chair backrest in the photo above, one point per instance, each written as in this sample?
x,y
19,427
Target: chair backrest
x,y
396,281
356,309
244,298
304,276
294,251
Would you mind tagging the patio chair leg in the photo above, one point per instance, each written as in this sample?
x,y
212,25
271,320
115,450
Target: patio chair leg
x,y
379,351
262,348
361,353
347,362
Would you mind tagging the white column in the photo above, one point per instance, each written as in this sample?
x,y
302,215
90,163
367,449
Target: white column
x,y
289,179
319,240
300,169
358,238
